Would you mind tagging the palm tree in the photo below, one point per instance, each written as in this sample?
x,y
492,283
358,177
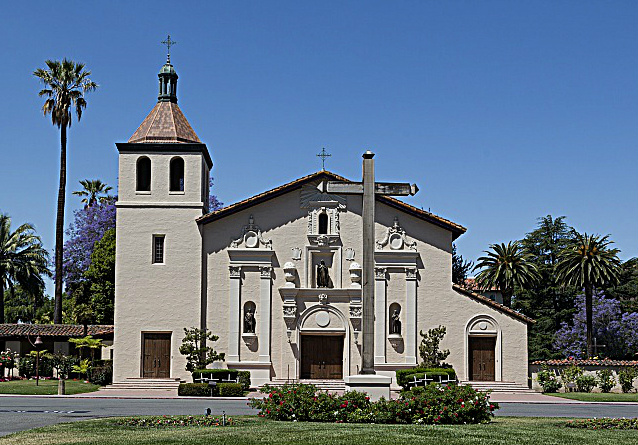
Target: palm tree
x,y
65,83
506,267
588,262
92,190
23,260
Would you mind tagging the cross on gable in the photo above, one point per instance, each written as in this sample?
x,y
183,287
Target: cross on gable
x,y
323,155
168,42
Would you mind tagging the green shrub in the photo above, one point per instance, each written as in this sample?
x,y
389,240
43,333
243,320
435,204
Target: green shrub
x,y
193,389
434,404
571,374
626,378
605,423
404,376
229,390
101,374
606,380
585,383
244,379
215,374
27,365
548,380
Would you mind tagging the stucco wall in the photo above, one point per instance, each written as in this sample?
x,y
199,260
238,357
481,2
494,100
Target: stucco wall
x,y
284,223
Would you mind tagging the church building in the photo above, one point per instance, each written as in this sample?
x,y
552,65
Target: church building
x,y
278,276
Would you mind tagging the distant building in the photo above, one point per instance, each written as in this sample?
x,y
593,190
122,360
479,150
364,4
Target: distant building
x,y
493,293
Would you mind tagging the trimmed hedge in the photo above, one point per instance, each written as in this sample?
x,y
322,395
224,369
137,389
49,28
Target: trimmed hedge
x,y
203,390
404,376
244,379
193,389
229,390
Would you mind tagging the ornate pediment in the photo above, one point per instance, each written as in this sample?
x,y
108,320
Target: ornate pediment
x,y
251,237
395,238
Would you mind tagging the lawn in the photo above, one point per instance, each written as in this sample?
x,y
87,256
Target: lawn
x,y
597,396
46,387
252,430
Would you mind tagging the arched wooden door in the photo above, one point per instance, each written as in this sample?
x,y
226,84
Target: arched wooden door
x,y
482,356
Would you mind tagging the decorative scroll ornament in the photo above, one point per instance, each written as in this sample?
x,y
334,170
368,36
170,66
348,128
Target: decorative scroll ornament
x,y
410,273
290,311
251,237
235,271
356,311
323,298
395,238
380,272
265,271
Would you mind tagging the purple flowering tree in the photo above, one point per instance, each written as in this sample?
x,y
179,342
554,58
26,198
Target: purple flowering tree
x,y
213,202
611,328
87,228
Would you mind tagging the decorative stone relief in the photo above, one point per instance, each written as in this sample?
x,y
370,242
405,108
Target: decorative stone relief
x,y
290,311
355,274
251,237
296,253
356,311
235,271
265,271
410,273
323,298
290,273
380,273
322,319
331,234
395,238
349,254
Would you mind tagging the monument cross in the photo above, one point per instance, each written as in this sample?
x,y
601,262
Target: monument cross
x,y
368,188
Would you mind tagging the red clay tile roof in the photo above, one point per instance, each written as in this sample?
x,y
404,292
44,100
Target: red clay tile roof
x,y
52,330
498,306
165,123
456,229
586,362
471,284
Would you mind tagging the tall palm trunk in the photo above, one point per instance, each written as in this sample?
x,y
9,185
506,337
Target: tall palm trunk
x,y
1,299
59,230
589,315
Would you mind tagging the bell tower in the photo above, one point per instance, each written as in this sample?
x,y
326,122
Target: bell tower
x,y
163,188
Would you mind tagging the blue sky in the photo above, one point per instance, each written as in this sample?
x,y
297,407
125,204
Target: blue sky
x,y
500,111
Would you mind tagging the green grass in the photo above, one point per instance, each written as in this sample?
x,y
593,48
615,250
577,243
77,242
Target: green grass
x,y
251,430
45,387
597,396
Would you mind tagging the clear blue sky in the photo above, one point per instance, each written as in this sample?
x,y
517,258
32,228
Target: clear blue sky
x,y
501,111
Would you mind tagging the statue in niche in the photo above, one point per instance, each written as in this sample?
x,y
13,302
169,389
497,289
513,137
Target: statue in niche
x,y
249,321
323,277
395,324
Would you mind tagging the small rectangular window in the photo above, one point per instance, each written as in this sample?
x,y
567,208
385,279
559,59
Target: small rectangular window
x,y
158,249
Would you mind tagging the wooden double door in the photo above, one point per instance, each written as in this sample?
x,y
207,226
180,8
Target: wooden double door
x,y
322,357
483,358
156,351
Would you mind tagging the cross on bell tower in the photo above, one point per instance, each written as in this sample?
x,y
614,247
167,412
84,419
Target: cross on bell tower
x,y
168,76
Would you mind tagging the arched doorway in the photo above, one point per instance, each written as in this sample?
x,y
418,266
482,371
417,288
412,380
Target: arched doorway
x,y
483,350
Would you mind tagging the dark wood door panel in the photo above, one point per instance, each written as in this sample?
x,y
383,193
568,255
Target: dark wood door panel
x,y
156,350
482,358
321,357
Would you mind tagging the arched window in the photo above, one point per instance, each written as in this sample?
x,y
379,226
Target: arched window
x,y
323,224
143,174
177,175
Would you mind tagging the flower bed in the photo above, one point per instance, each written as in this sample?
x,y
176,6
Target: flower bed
x,y
433,404
605,423
174,421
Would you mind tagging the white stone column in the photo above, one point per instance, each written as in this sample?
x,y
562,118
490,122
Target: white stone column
x,y
380,311
265,302
234,314
411,333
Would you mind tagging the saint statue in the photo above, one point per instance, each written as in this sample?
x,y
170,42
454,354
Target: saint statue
x,y
249,322
323,278
395,325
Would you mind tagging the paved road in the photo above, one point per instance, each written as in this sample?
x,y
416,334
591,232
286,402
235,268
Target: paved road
x,y
22,413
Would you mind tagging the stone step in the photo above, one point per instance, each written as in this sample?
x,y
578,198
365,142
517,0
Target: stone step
x,y
138,383
499,387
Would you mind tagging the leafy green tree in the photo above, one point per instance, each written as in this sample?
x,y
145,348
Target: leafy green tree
x,y
101,275
627,289
460,267
94,191
23,260
198,354
429,350
546,300
588,262
65,83
505,267
27,307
